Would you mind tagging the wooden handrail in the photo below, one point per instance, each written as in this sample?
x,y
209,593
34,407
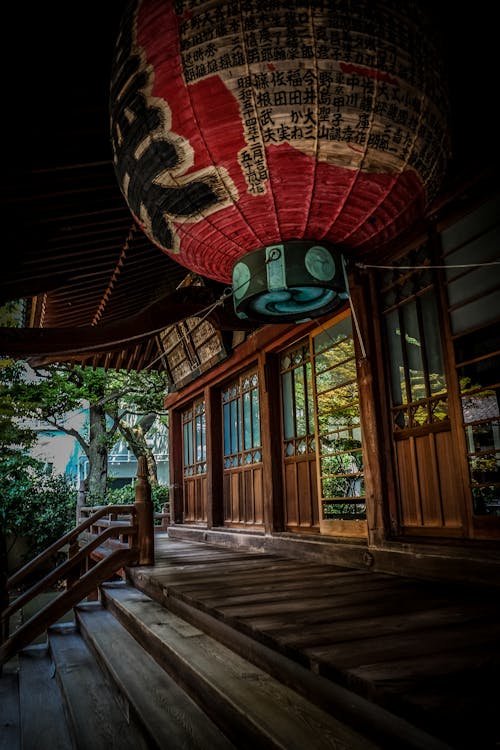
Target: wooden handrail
x,y
139,525
55,609
68,538
62,570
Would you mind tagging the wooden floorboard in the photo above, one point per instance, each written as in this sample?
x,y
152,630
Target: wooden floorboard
x,y
405,643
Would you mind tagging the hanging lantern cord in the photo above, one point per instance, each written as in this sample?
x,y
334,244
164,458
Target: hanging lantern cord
x,y
354,317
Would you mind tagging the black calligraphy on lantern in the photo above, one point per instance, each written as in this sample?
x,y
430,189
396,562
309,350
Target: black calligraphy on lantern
x,y
281,60
151,161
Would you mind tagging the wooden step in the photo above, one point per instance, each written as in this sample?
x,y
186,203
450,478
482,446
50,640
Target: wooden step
x,y
10,722
43,720
254,709
96,718
371,720
169,718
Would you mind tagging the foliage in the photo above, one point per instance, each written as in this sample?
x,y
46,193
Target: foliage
x,y
118,403
34,504
11,432
126,496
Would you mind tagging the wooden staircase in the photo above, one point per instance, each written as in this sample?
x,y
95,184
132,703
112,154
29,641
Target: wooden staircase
x,y
130,673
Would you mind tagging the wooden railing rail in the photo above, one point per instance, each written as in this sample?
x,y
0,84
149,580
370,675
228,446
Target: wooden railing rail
x,y
68,598
64,569
137,527
69,538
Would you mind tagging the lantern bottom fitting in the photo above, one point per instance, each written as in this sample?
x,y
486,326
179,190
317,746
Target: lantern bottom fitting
x,y
290,282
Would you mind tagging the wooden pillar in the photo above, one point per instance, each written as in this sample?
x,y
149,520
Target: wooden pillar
x,y
271,442
371,403
215,500
176,491
75,573
144,515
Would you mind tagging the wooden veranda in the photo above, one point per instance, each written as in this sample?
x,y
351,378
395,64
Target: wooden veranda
x,y
427,652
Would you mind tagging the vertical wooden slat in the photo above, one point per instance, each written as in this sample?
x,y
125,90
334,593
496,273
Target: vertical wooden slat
x,y
450,479
291,501
427,478
408,510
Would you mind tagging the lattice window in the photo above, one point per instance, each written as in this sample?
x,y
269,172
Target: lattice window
x,y
341,475
473,287
297,399
194,440
416,368
241,419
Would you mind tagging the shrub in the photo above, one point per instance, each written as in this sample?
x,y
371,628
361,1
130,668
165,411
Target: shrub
x,y
126,496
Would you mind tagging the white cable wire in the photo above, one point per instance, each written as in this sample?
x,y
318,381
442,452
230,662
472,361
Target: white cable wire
x,y
353,311
423,268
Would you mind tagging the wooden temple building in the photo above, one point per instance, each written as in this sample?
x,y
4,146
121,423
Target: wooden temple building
x,y
334,530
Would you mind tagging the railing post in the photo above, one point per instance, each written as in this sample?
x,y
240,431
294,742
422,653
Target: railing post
x,y
144,515
80,501
75,574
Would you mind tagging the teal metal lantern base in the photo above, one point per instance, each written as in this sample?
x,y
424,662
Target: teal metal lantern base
x,y
291,282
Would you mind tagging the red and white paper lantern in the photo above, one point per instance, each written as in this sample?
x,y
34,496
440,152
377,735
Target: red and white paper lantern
x,y
249,126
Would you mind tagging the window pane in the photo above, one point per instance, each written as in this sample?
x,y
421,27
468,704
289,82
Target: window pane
x,y
310,403
203,437
485,372
187,432
200,437
396,364
342,371
437,380
255,418
414,352
227,429
478,344
337,408
247,421
331,337
343,510
287,404
474,314
300,401
340,487
234,427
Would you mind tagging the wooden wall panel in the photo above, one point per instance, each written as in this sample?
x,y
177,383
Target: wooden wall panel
x,y
428,481
409,511
258,495
189,487
308,503
430,488
452,489
301,494
243,496
291,494
195,499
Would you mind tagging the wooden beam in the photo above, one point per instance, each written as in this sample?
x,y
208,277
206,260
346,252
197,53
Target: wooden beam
x,y
65,342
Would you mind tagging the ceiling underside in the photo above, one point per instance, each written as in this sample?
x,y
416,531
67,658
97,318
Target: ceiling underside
x,y
70,246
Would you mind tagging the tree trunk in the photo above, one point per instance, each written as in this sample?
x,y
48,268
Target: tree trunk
x,y
98,455
136,441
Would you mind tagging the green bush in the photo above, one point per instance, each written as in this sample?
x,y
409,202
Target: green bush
x,y
35,505
126,496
